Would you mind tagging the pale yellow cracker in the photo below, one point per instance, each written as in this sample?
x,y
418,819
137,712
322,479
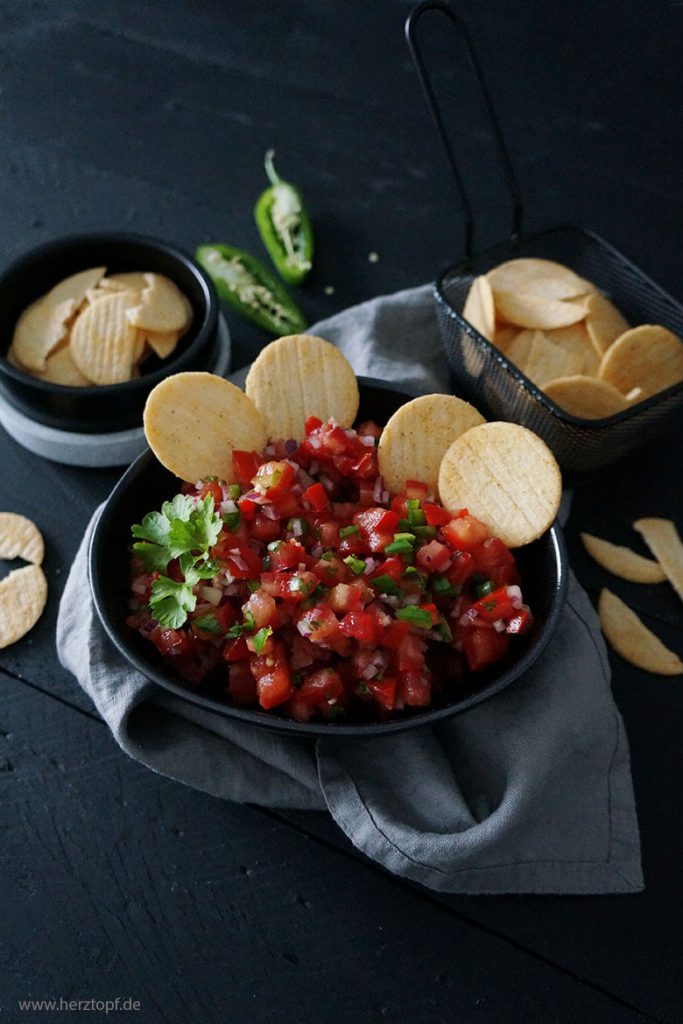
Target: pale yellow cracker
x,y
543,279
504,335
546,355
162,343
103,341
649,357
479,309
631,638
22,598
604,322
298,376
585,397
39,330
529,311
661,536
20,538
418,434
507,477
61,369
194,421
622,562
162,306
75,287
132,280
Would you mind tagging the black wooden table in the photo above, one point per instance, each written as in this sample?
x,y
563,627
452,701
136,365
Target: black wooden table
x,y
155,117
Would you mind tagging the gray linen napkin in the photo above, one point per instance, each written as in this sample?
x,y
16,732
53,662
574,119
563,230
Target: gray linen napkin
x,y
528,792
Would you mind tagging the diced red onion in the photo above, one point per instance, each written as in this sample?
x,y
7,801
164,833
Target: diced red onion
x,y
211,594
139,585
327,483
297,528
378,489
468,618
240,563
297,490
232,588
149,627
291,446
227,506
370,566
314,467
313,441
499,626
411,599
391,600
271,511
304,626
514,594
270,450
384,498
368,440
317,550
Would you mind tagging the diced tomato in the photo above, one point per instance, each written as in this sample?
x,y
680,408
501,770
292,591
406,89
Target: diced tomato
x,y
392,567
461,568
248,508
345,597
294,587
321,626
245,465
287,505
225,616
394,633
165,640
368,428
359,625
236,650
242,685
431,608
261,605
213,488
328,532
286,554
411,654
315,496
415,688
383,692
465,533
377,526
435,514
243,562
274,688
416,490
484,647
434,557
331,571
355,544
265,529
496,605
505,575
273,479
312,423
490,555
320,687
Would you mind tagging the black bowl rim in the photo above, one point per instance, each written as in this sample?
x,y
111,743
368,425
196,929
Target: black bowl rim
x,y
174,365
590,426
317,729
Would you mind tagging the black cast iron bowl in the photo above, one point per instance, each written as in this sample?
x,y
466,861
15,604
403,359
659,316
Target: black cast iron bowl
x,y
114,407
147,484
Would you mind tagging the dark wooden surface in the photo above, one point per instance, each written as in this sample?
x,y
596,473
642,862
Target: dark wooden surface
x,y
155,117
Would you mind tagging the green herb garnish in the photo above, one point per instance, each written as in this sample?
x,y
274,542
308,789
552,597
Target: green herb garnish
x,y
415,616
261,638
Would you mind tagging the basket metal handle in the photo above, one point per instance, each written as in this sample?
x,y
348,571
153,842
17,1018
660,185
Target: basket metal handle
x,y
510,178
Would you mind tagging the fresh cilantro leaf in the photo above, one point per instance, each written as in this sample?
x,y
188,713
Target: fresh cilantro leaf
x,y
154,528
242,627
156,558
198,532
209,624
261,638
170,602
181,507
195,570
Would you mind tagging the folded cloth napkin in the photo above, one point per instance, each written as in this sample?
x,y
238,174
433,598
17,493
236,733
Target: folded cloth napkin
x,y
529,791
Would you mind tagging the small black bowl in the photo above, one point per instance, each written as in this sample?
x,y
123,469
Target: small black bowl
x,y
97,410
147,484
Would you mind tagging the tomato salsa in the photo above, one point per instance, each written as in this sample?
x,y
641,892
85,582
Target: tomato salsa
x,y
307,588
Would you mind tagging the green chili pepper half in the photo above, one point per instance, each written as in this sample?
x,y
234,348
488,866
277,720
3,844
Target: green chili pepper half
x,y
245,284
285,226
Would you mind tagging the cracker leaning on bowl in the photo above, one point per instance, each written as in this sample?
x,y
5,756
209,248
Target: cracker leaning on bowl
x,y
570,340
93,329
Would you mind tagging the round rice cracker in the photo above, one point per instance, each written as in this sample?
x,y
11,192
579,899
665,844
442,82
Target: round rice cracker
x,y
507,477
103,341
299,376
622,562
649,357
193,421
22,599
20,538
586,397
479,309
545,355
416,437
543,279
61,369
604,322
526,310
162,306
633,640
38,332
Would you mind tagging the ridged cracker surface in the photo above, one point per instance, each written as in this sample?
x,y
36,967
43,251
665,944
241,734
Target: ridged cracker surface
x,y
39,330
586,397
22,598
194,421
298,376
543,279
528,311
103,340
649,357
163,306
417,436
506,477
20,538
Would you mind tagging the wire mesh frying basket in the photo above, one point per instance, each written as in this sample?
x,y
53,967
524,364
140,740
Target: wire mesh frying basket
x,y
479,371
